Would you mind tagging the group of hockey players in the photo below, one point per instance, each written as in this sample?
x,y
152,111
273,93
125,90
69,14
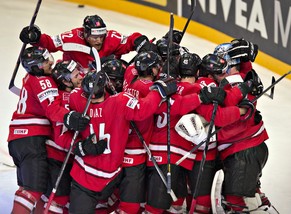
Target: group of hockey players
x,y
143,118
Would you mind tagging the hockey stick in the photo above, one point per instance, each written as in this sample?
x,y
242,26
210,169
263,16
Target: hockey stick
x,y
52,195
271,86
169,48
199,177
12,87
193,6
271,95
148,151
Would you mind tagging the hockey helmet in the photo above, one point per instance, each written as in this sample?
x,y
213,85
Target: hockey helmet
x,y
33,58
145,61
162,45
222,51
89,81
214,65
94,25
189,64
63,70
115,70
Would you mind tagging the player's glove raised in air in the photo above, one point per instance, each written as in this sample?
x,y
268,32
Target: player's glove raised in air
x,y
142,43
177,36
165,87
90,146
76,121
212,94
250,108
30,35
243,49
258,86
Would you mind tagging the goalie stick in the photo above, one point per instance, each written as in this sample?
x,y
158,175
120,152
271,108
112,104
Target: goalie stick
x,y
94,52
216,198
12,87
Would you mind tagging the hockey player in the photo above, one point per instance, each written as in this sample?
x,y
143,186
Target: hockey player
x,y
98,158
94,33
139,77
188,68
30,127
242,145
115,69
68,75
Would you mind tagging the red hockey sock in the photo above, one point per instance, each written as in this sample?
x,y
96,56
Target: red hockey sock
x,y
24,201
236,200
153,210
129,207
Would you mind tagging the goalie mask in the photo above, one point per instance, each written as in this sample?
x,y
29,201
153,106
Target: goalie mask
x,y
222,51
33,59
89,86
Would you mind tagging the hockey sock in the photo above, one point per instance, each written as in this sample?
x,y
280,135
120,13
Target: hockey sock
x,y
129,207
24,201
39,207
203,204
236,203
176,207
265,200
153,210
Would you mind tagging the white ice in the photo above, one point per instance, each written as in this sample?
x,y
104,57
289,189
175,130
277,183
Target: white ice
x,y
57,16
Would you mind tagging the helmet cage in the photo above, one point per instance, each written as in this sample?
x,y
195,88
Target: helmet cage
x,y
222,51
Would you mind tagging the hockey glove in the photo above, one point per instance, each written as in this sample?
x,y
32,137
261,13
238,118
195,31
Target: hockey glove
x,y
31,35
165,87
76,121
258,86
90,146
245,87
243,49
249,106
210,94
142,44
177,36
258,117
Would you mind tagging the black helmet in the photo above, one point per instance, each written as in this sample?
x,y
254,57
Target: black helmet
x,y
145,61
62,72
94,25
189,64
88,83
162,45
213,64
115,70
32,60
